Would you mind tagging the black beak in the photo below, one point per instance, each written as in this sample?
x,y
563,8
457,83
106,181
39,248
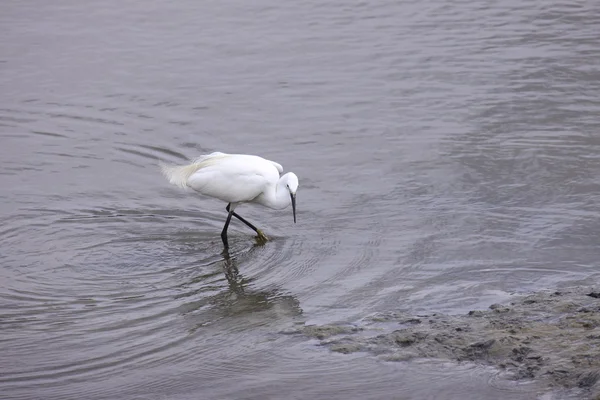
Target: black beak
x,y
294,205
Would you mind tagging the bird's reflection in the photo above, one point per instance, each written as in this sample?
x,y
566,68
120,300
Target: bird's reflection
x,y
232,273
238,303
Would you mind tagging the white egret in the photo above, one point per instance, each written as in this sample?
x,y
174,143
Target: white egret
x,y
236,179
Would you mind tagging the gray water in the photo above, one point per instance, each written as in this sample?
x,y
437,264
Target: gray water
x,y
448,154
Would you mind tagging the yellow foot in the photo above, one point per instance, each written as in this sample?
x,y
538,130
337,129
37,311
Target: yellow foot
x,y
261,236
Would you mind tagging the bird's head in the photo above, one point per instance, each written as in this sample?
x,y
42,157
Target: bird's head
x,y
291,184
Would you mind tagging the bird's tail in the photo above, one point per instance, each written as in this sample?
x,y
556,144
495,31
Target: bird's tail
x,y
178,175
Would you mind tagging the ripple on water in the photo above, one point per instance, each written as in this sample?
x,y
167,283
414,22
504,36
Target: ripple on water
x,y
130,289
448,154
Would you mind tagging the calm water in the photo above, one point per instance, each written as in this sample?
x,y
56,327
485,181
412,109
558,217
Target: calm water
x,y
448,155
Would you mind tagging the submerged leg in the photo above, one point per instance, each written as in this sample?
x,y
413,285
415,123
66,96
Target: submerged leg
x,y
224,232
260,234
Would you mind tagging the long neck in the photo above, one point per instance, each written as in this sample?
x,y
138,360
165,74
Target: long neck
x,y
277,196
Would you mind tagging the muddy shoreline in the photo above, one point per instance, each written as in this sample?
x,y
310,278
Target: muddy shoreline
x,y
551,336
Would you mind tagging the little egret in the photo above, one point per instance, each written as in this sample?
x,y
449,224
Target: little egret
x,y
236,179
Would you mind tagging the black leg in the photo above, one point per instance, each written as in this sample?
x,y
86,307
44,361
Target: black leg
x,y
224,232
255,229
260,234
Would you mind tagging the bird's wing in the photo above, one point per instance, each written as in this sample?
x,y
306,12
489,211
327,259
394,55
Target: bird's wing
x,y
278,166
217,155
179,174
233,178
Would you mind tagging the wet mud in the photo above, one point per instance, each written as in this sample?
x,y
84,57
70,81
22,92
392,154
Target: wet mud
x,y
552,337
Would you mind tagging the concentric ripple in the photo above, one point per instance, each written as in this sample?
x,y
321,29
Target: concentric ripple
x,y
447,154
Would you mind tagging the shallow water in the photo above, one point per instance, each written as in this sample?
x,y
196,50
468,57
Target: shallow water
x,y
447,155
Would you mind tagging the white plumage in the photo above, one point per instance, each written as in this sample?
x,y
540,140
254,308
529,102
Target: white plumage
x,y
235,179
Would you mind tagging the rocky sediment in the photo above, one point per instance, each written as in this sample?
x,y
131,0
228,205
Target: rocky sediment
x,y
553,337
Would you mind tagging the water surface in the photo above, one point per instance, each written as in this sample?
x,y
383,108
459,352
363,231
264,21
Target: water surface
x,y
447,154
